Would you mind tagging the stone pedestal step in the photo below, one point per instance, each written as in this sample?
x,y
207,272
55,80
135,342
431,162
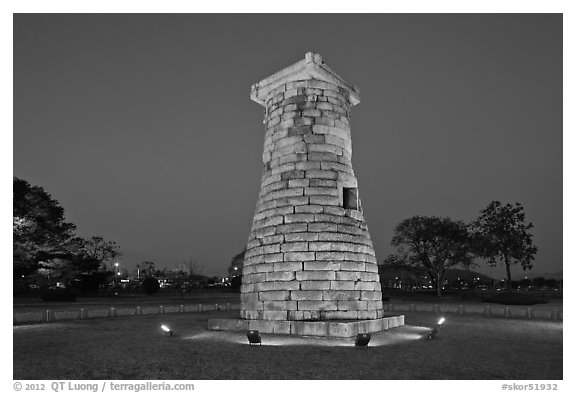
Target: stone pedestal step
x,y
343,329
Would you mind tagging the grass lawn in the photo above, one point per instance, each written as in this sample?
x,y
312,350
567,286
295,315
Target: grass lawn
x,y
467,347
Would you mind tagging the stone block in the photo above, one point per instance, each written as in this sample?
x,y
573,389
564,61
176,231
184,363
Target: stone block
x,y
269,249
325,121
320,174
261,326
368,314
273,239
333,236
286,285
333,192
322,265
371,267
302,236
348,276
274,315
367,286
313,305
334,210
322,227
306,295
303,315
292,175
273,295
370,295
264,286
305,328
273,258
280,276
285,193
323,156
254,278
334,295
296,218
303,121
278,170
249,297
374,304
352,266
315,286
288,267
308,165
262,268
255,306
309,209
294,246
340,285
292,201
290,228
385,323
292,183
342,329
327,148
330,256
280,305
298,256
345,305
312,138
324,200
300,130
340,314
297,156
317,276
251,314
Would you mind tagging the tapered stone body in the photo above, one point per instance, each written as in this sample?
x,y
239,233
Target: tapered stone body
x,y
309,255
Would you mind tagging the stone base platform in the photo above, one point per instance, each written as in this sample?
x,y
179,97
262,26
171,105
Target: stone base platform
x,y
334,328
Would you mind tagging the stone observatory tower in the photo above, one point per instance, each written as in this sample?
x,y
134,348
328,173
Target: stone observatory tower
x,y
309,266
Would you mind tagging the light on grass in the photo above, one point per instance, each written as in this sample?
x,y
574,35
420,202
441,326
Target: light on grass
x,y
434,331
167,330
362,339
254,337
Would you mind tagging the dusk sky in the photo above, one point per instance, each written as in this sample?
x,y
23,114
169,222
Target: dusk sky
x,y
142,127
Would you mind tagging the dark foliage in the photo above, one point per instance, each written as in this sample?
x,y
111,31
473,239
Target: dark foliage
x,y
433,243
501,234
58,295
513,298
236,283
150,285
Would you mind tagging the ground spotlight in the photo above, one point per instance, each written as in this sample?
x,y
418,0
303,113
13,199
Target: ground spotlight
x,y
362,339
254,337
167,330
434,331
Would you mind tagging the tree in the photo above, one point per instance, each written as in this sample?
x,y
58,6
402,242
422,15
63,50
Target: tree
x,y
433,243
236,264
501,233
98,249
40,232
150,285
